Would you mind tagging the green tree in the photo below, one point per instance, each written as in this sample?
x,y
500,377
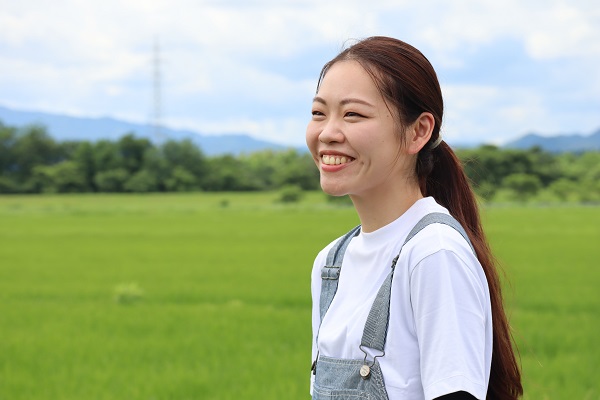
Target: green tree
x,y
227,173
564,188
543,165
84,157
296,169
64,177
112,180
33,147
155,163
181,180
290,194
491,164
7,185
132,151
107,156
523,185
262,165
188,157
8,138
141,182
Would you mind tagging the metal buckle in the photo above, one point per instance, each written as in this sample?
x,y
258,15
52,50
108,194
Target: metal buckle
x,y
365,370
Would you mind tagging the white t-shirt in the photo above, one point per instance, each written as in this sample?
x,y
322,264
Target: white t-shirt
x,y
439,338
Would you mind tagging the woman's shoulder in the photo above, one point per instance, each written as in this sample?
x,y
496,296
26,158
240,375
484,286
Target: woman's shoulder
x,y
438,236
321,258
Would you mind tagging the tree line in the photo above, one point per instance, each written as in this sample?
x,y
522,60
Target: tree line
x,y
31,161
504,175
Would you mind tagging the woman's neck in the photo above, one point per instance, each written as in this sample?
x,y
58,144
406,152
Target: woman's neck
x,y
377,210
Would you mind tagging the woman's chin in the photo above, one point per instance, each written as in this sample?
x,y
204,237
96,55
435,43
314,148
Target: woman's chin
x,y
333,190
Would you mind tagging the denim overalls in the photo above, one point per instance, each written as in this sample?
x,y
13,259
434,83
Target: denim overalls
x,y
337,378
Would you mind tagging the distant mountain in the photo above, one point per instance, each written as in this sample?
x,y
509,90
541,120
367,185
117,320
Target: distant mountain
x,y
558,144
63,127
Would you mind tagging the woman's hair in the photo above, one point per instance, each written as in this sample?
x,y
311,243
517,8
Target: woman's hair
x,y
409,85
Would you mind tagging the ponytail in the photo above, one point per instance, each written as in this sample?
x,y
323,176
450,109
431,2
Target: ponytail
x,y
441,176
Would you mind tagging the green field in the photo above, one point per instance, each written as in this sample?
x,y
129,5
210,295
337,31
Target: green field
x,y
225,311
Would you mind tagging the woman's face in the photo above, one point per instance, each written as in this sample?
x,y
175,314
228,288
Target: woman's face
x,y
353,137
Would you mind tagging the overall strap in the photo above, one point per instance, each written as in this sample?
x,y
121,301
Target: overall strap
x,y
375,332
330,273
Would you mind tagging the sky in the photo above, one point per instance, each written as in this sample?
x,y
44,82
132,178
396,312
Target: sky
x,y
506,67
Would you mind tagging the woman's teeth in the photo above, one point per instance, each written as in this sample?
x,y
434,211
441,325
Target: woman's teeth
x,y
335,160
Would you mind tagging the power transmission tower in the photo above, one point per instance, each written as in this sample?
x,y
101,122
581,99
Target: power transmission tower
x,y
157,95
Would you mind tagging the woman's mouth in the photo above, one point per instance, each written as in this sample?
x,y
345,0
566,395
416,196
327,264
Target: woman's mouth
x,y
335,159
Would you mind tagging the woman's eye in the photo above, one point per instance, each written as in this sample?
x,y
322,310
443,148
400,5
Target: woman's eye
x,y
353,114
317,113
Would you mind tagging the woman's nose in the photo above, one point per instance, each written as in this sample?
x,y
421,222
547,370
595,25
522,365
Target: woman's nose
x,y
332,132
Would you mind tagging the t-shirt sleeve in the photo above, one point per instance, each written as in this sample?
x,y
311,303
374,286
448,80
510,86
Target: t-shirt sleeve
x,y
449,306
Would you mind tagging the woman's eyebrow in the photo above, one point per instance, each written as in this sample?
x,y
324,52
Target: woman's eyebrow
x,y
344,102
355,100
318,99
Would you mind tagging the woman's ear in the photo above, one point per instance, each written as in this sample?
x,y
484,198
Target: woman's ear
x,y
419,132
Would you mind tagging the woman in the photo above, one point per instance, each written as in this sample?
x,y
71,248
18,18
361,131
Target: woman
x,y
408,305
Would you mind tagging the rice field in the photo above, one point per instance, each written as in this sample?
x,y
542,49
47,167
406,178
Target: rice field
x,y
207,296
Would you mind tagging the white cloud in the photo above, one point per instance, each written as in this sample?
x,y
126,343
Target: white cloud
x,y
494,114
488,114
219,57
566,31
549,29
285,131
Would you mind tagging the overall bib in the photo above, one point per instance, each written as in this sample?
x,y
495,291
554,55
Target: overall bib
x,y
338,379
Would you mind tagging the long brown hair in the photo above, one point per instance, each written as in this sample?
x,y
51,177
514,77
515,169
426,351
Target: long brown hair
x,y
409,84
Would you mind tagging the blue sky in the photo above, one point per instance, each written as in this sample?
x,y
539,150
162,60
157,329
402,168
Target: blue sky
x,y
506,67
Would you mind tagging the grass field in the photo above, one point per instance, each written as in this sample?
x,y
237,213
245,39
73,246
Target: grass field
x,y
225,311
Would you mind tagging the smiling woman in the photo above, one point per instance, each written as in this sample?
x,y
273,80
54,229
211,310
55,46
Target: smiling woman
x,y
432,325
351,121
